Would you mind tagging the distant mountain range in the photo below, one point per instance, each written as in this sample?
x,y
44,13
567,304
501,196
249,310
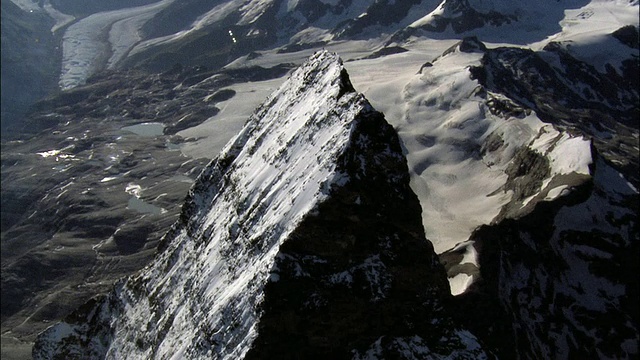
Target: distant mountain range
x,y
481,202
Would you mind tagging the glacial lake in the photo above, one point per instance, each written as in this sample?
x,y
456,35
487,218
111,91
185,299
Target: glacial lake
x,y
143,207
149,129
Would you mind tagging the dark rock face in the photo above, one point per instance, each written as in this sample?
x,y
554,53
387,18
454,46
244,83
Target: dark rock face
x,y
459,16
359,269
468,44
564,290
526,172
388,50
385,14
628,35
466,18
176,16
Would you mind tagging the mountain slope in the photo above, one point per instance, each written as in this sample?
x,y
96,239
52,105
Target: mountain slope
x,y
306,214
532,136
503,139
29,63
515,22
599,101
553,265
564,275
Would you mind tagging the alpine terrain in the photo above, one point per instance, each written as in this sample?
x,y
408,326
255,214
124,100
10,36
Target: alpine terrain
x,y
200,179
323,253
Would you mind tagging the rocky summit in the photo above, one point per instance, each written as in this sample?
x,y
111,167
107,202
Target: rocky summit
x,y
301,239
490,213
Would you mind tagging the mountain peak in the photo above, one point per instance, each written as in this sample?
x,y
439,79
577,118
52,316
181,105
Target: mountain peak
x,y
306,217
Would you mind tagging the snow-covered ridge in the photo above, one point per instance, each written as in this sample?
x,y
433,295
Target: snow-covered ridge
x,y
199,298
459,150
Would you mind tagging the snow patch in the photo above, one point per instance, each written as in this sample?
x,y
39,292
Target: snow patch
x,y
460,283
133,189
